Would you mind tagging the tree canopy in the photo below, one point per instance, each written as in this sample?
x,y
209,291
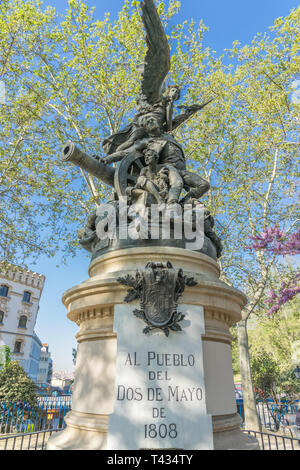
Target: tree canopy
x,y
274,343
15,385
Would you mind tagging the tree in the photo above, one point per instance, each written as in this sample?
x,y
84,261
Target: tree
x,y
271,382
17,391
4,355
272,243
275,241
67,77
245,143
278,336
15,385
265,370
273,343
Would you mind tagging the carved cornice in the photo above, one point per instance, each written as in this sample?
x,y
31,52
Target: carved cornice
x,y
218,315
79,316
220,301
26,277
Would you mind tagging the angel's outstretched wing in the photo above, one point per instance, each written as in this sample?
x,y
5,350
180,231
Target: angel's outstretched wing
x,y
157,60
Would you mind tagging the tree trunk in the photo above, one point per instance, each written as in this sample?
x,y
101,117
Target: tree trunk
x,y
250,411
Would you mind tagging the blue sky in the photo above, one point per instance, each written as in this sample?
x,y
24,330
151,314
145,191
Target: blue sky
x,y
227,21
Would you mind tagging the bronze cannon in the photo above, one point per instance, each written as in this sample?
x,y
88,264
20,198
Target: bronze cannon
x,y
93,165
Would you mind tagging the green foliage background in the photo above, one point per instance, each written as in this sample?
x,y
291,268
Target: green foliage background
x,y
15,385
274,344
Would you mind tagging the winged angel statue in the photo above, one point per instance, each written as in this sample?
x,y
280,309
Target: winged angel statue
x,y
143,161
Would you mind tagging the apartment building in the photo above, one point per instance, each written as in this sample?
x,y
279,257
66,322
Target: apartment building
x,y
20,293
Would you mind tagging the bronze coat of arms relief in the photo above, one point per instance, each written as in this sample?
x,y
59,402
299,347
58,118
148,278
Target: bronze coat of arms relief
x,y
158,287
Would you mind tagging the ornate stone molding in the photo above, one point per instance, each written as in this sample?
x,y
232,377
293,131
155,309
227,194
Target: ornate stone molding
x,y
95,334
22,340
25,311
216,334
87,421
4,305
226,422
221,302
79,316
133,258
26,277
218,315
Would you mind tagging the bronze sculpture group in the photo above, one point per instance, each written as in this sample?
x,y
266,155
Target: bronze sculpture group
x,y
143,161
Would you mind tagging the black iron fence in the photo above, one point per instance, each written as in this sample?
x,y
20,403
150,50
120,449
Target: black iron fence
x,y
270,441
44,413
25,426
38,441
27,441
271,415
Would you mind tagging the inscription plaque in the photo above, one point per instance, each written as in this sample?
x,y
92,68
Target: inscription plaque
x,y
159,389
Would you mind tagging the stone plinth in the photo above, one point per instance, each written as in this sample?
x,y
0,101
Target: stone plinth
x,y
97,306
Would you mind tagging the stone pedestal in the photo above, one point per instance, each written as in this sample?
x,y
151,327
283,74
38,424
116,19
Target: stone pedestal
x,y
97,306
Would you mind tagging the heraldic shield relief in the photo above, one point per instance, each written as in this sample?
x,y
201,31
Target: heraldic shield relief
x,y
158,287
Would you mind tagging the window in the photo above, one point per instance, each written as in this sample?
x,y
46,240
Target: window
x,y
22,321
1,317
18,345
3,290
26,296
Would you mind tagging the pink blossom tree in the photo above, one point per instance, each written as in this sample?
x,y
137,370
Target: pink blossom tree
x,y
277,242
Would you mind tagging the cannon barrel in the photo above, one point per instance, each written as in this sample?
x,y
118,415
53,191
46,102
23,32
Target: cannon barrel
x,y
71,153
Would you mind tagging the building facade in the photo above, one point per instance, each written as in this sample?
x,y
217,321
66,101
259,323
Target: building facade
x,y
45,366
62,379
20,293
